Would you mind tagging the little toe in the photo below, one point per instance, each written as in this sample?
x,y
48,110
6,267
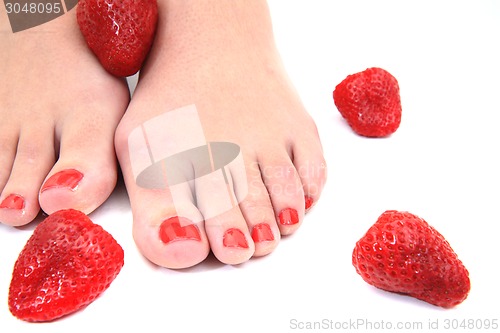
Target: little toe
x,y
312,170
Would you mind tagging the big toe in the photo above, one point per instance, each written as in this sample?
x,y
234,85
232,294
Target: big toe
x,y
168,228
85,174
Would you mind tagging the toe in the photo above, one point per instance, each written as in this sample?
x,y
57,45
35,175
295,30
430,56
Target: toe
x,y
311,167
168,232
8,147
85,173
258,212
285,190
28,165
168,228
225,225
229,237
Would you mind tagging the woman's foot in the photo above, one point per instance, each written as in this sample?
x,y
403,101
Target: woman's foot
x,y
215,122
59,110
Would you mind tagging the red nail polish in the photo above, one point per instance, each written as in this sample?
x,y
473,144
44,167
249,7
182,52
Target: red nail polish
x,y
13,201
309,202
262,233
171,230
69,179
289,216
234,238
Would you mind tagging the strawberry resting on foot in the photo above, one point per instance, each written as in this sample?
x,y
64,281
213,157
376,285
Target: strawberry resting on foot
x,y
120,32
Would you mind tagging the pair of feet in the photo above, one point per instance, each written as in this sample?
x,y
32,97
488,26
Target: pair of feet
x,y
64,121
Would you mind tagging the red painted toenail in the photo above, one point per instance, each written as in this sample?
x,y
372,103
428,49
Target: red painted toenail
x,y
309,201
171,230
69,179
235,238
262,233
289,216
13,201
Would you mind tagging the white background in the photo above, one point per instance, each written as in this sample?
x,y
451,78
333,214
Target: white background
x,y
442,164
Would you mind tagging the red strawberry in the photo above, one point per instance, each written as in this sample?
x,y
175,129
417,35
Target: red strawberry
x,y
65,265
402,253
370,103
119,32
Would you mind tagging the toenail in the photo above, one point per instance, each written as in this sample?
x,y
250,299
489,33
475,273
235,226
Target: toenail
x,y
288,216
262,233
69,179
13,201
235,238
309,201
171,230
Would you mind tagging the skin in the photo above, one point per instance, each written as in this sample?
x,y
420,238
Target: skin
x,y
231,75
54,117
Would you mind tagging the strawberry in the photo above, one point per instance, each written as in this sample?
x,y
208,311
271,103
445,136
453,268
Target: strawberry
x,y
402,253
119,32
65,265
370,103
